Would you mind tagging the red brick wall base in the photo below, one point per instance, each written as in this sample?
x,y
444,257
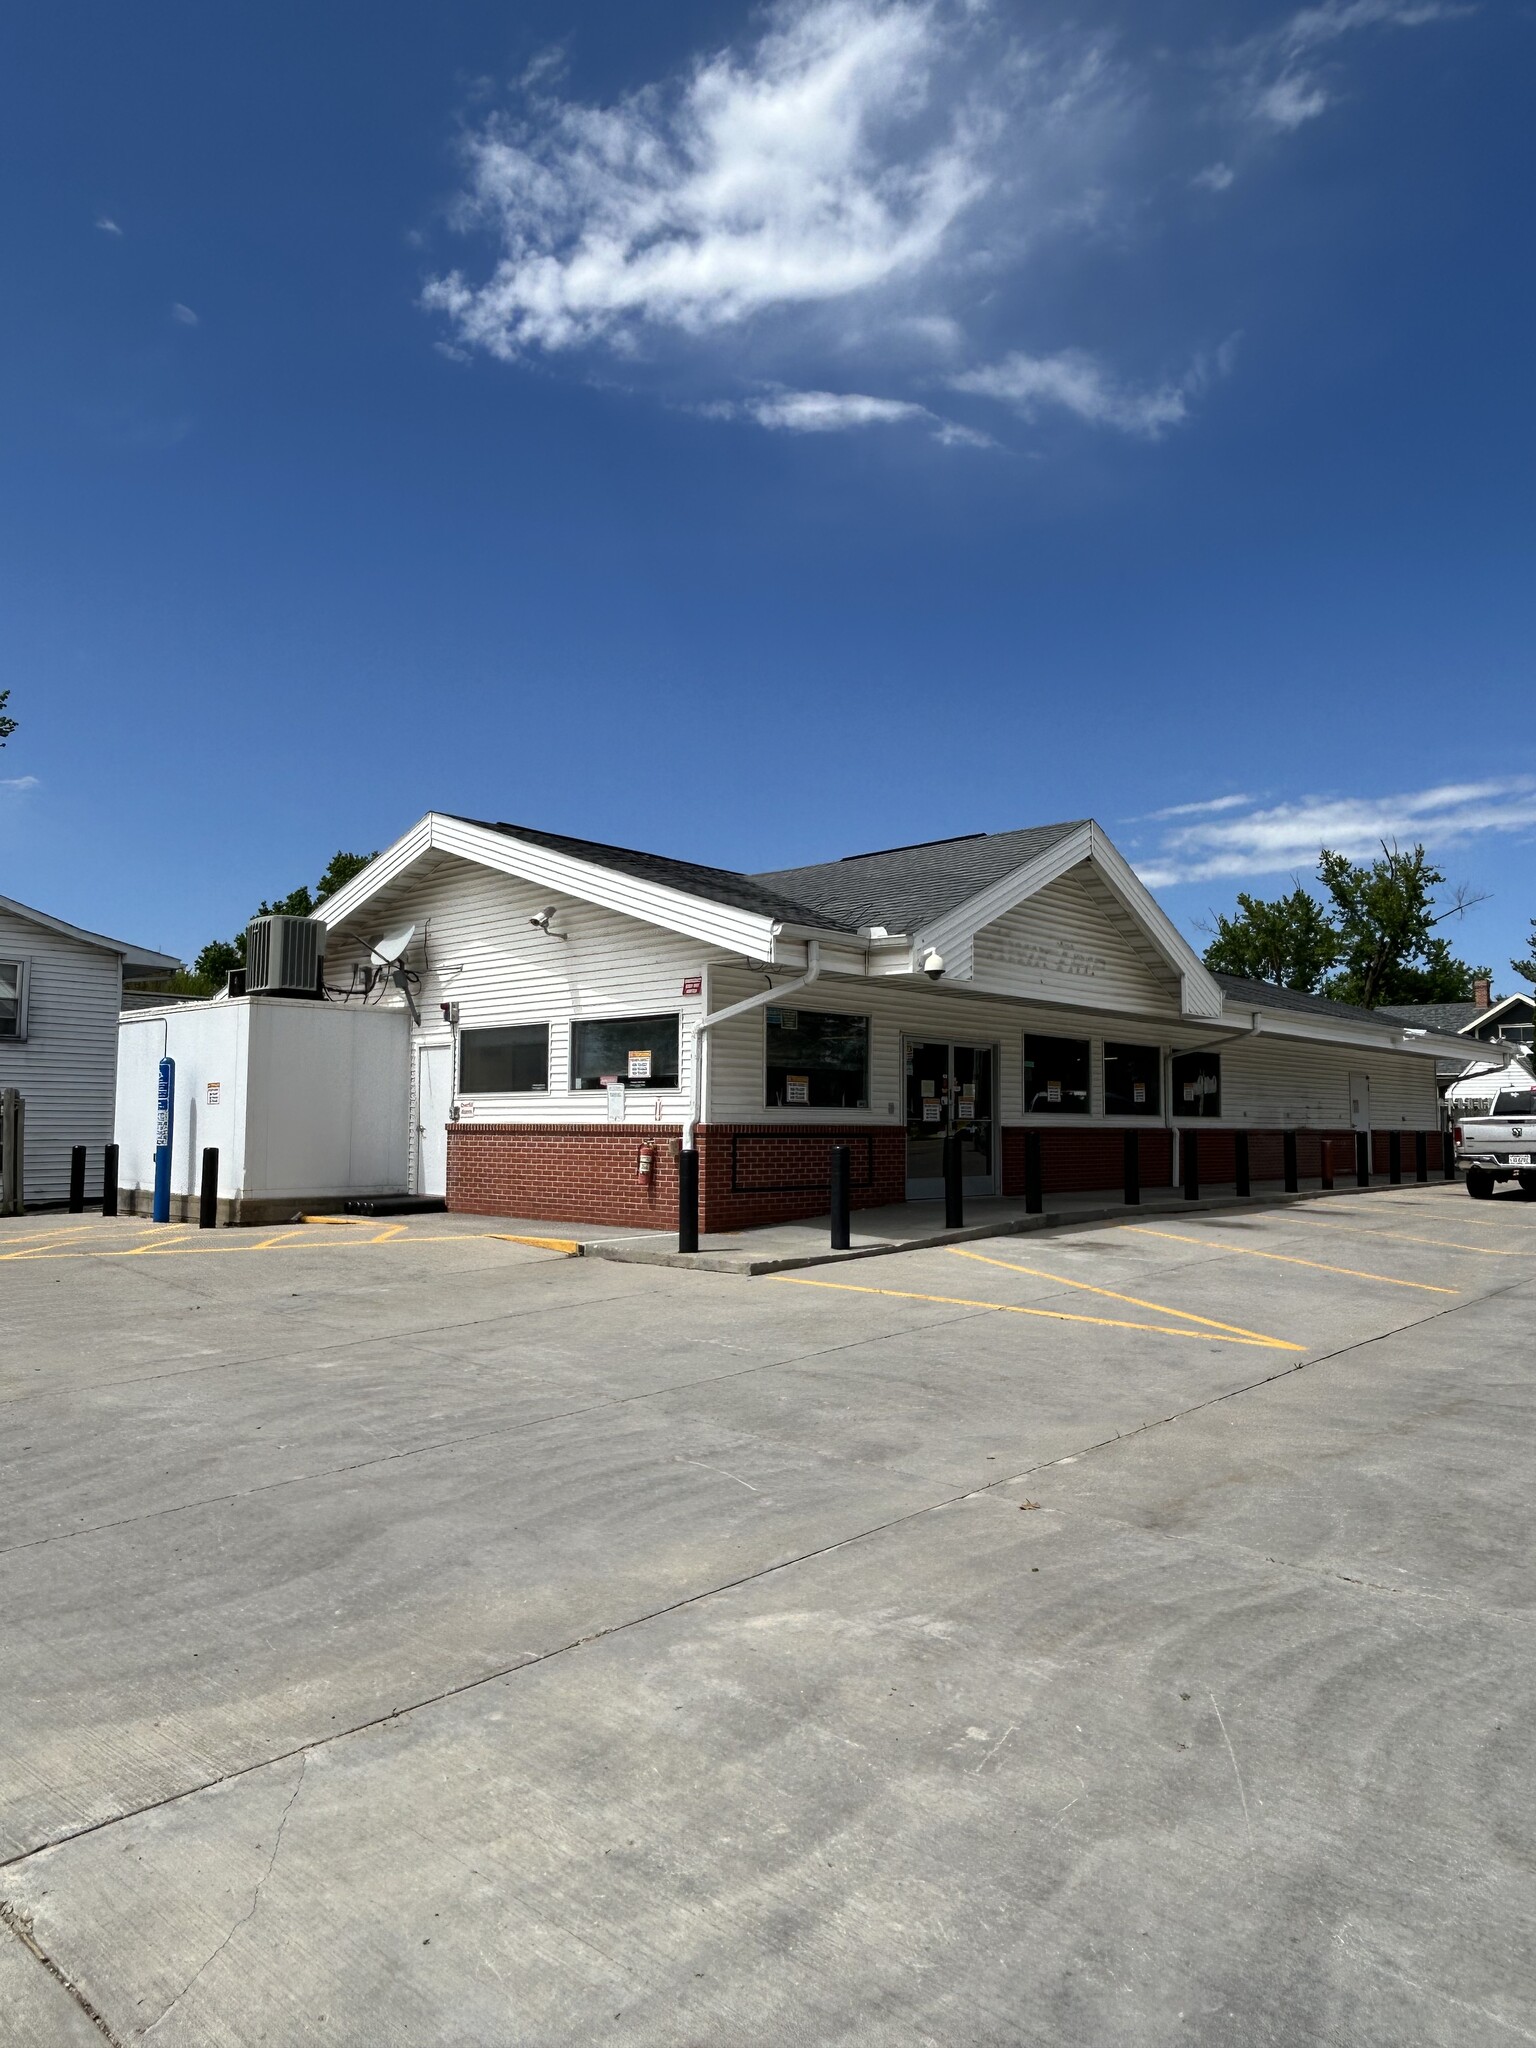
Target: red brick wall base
x,y
773,1173
589,1173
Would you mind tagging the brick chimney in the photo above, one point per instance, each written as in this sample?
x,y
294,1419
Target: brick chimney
x,y
1482,993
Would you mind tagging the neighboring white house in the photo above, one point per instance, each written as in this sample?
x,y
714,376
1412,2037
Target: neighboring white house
x,y
61,989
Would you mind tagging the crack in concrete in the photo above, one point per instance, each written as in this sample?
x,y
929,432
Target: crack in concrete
x,y
250,1912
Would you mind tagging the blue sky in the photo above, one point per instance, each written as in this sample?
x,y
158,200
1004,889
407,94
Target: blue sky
x,y
761,435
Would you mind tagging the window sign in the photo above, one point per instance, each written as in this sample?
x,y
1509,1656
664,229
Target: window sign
x,y
1197,1083
213,1094
629,1052
815,1059
693,985
1131,1075
932,1111
1056,1075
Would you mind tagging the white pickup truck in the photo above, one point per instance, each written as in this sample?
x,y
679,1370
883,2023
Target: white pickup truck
x,y
1500,1144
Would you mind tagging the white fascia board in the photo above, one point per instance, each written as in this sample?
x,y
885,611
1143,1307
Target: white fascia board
x,y
133,956
1288,1024
954,933
1199,991
384,868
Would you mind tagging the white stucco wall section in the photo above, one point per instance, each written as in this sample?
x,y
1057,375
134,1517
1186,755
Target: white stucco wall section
x,y
66,1066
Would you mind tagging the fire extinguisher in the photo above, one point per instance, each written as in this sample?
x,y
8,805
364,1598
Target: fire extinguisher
x,y
645,1163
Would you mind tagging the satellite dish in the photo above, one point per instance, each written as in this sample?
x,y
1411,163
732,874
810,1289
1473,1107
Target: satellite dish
x,y
391,949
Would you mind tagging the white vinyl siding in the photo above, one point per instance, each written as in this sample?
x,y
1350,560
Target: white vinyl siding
x,y
475,947
1073,943
66,1067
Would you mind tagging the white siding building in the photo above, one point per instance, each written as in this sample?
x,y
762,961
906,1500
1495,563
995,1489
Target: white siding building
x,y
582,1010
61,989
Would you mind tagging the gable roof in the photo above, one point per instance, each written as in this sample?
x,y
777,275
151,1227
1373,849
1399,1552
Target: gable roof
x,y
1434,1016
906,887
133,957
713,885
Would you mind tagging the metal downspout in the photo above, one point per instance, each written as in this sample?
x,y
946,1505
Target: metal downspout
x,y
757,1002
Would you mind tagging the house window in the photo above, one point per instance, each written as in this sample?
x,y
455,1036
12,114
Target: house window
x,y
638,1052
816,1059
1130,1079
1517,1034
13,999
512,1060
1056,1076
1196,1080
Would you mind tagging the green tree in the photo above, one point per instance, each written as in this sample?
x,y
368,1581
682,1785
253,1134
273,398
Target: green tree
x,y
1526,968
214,964
1287,940
1385,914
7,725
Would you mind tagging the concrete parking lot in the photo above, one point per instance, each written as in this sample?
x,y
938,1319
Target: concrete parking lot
x,y
412,1636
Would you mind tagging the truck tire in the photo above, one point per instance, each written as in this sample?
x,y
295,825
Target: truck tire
x,y
1479,1184
1528,1185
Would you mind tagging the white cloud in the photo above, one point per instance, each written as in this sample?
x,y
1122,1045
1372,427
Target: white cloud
x,y
1078,384
1203,808
823,412
1214,178
1282,837
814,167
108,226
184,315
1282,90
19,782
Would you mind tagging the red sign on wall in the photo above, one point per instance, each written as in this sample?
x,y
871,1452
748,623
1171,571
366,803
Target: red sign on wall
x,y
694,985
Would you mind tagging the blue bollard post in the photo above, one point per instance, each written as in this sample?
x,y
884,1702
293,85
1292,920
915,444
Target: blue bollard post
x,y
165,1120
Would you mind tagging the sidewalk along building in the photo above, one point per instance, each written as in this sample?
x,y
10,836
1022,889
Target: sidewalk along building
x,y
61,989
579,1012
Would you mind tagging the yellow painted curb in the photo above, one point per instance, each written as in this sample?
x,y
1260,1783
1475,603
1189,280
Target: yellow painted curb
x,y
571,1246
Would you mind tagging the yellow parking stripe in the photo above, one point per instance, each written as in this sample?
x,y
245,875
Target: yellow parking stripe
x,y
1054,1315
1282,1258
1445,1244
226,1245
1159,1307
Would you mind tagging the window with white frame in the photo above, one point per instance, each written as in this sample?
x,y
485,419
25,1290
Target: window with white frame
x,y
510,1060
629,1052
13,999
815,1059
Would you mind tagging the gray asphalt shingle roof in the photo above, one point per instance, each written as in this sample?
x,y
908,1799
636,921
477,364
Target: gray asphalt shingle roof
x,y
1265,995
901,888
906,887
1433,1016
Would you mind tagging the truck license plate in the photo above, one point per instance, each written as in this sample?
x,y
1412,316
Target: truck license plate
x,y
1519,1159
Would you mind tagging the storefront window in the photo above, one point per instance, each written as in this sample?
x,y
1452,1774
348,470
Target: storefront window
x,y
1130,1079
639,1052
816,1059
1196,1078
1056,1076
513,1060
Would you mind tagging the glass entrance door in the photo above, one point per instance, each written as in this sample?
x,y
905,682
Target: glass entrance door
x,y
949,1090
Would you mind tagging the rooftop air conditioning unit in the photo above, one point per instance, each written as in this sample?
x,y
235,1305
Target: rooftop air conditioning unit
x,y
283,956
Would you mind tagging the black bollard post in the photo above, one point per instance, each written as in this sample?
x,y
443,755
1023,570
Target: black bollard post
x,y
1292,1175
1395,1158
109,1182
76,1179
1420,1157
842,1173
688,1200
1191,1144
954,1185
1447,1152
1362,1159
1244,1178
1132,1174
208,1191
1034,1179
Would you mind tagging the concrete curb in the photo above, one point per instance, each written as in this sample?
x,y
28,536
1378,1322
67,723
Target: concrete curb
x,y
627,1252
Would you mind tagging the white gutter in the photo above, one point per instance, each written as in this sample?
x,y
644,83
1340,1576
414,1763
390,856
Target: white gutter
x,y
757,1002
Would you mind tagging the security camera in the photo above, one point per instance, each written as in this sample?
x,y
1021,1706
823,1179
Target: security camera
x,y
933,964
